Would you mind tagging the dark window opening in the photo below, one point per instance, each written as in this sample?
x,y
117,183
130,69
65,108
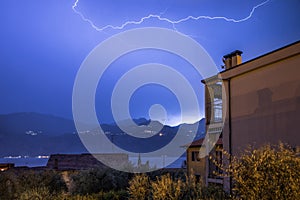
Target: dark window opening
x,y
195,156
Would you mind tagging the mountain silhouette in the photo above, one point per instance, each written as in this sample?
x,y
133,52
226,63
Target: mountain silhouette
x,y
32,134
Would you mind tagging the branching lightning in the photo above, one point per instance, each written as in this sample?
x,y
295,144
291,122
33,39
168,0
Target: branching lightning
x,y
173,22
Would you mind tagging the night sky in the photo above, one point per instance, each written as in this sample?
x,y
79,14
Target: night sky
x,y
43,44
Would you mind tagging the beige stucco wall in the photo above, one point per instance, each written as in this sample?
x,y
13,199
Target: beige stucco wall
x,y
265,105
265,100
196,167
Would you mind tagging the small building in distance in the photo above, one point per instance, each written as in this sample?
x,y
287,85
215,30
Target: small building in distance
x,y
84,161
194,164
200,167
6,166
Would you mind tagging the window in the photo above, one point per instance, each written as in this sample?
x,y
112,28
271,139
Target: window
x,y
217,106
195,156
214,103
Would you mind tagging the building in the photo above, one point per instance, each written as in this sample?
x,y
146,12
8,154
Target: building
x,y
194,164
6,166
199,166
255,102
84,161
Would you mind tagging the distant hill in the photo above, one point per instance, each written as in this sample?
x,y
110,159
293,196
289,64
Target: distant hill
x,y
35,123
31,134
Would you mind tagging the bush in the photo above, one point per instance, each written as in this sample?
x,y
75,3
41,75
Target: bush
x,y
139,187
166,188
36,193
270,172
95,180
75,197
9,186
51,180
213,192
14,183
111,195
193,189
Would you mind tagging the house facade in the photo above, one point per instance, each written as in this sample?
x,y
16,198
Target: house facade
x,y
202,167
194,164
254,103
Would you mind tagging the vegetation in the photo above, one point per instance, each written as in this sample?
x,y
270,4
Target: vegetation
x,y
14,184
167,188
270,172
37,193
139,187
96,180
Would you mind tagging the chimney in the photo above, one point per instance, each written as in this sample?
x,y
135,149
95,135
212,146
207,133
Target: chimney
x,y
232,59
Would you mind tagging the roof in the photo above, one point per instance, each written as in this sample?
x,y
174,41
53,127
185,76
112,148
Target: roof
x,y
84,161
260,61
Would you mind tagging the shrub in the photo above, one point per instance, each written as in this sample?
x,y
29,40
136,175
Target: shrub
x,y
114,195
36,194
51,180
213,192
77,197
9,186
96,180
14,183
165,188
110,195
270,172
139,187
192,188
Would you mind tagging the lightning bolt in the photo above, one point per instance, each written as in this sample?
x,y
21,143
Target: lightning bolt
x,y
173,22
84,18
